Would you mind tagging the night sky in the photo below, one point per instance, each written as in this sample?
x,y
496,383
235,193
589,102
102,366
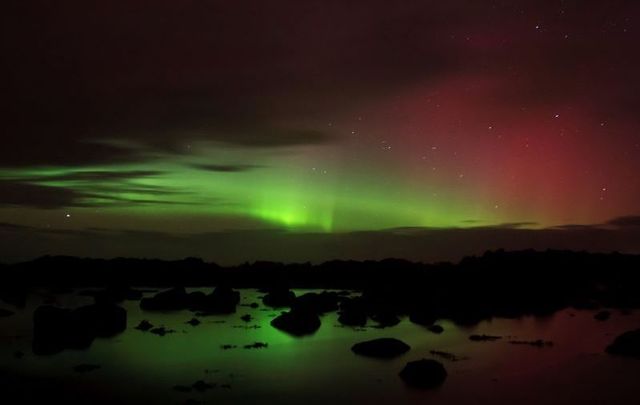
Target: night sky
x,y
308,130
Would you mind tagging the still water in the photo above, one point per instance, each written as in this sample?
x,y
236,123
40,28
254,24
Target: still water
x,y
140,367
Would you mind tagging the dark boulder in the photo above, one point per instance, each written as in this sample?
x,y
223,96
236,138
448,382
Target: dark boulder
x,y
352,312
423,317
437,329
223,300
424,374
381,348
279,297
297,322
385,319
318,303
171,300
106,319
627,344
56,329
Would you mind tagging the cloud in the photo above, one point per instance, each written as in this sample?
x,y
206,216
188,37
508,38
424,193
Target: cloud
x,y
625,222
37,196
225,168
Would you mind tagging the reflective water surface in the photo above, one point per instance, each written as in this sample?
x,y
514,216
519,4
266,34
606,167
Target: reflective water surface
x,y
139,366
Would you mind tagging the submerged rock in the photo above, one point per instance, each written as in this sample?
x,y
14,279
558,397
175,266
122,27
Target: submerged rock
x,y
194,322
202,386
246,318
257,345
161,331
535,343
297,322
437,329
484,338
381,348
627,344
446,355
424,374
144,325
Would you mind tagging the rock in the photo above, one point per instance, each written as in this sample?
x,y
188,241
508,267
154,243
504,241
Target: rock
x,y
161,331
279,297
385,319
194,322
602,316
424,374
56,329
5,313
202,386
297,322
437,329
171,300
535,343
318,303
381,348
484,338
114,294
182,388
423,317
18,354
228,347
85,368
446,355
352,312
257,345
108,319
627,344
246,318
222,300
144,325
254,305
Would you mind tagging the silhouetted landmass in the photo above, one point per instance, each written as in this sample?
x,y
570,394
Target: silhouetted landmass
x,y
496,284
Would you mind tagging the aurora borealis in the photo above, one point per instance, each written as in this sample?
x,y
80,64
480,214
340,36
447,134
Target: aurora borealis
x,y
316,118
